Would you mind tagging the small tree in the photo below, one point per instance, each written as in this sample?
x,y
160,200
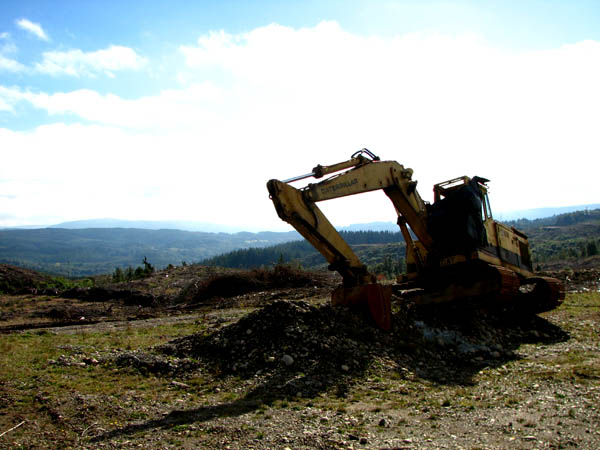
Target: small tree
x,y
592,248
148,268
118,275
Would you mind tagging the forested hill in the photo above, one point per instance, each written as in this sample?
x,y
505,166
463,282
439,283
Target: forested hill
x,y
374,248
565,237
82,252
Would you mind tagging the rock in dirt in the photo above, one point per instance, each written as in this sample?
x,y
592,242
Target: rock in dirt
x,y
287,360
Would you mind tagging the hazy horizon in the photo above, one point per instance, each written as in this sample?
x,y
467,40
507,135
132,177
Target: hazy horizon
x,y
187,225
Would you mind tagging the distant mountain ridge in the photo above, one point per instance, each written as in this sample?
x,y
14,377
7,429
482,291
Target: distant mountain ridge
x,y
540,213
529,214
372,226
185,225
208,227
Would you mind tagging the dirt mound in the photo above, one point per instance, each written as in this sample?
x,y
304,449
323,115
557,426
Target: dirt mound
x,y
100,294
16,280
303,348
260,341
578,280
230,284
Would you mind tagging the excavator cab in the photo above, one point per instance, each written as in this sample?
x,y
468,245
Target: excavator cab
x,y
445,188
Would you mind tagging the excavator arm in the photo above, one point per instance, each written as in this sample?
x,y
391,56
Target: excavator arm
x,y
365,173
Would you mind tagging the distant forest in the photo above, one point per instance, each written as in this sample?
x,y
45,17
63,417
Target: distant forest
x,y
561,220
565,236
381,250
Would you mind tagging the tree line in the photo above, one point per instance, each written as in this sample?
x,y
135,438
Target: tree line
x,y
296,251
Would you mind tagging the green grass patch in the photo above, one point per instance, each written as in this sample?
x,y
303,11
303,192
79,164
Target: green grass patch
x,y
60,397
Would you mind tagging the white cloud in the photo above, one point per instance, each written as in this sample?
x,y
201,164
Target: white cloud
x,y
9,97
276,101
446,106
10,65
6,48
78,63
106,171
195,107
33,28
5,106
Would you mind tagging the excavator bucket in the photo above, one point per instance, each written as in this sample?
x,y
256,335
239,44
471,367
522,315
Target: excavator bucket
x,y
376,296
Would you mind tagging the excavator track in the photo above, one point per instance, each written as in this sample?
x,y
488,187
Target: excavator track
x,y
484,282
487,286
541,294
509,284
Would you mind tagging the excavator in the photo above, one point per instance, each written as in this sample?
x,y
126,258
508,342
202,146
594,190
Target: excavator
x,y
455,250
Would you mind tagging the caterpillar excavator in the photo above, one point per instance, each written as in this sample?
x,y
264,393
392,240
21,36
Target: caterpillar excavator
x,y
455,250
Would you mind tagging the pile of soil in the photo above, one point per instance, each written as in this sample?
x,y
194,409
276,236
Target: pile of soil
x,y
579,280
234,283
102,294
301,349
16,280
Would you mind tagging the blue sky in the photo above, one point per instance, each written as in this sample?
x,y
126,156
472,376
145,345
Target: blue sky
x,y
183,110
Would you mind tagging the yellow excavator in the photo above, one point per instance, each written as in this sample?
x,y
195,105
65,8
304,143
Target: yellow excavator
x,y
455,250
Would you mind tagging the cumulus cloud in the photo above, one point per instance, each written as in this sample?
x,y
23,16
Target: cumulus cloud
x,y
276,101
33,28
78,63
